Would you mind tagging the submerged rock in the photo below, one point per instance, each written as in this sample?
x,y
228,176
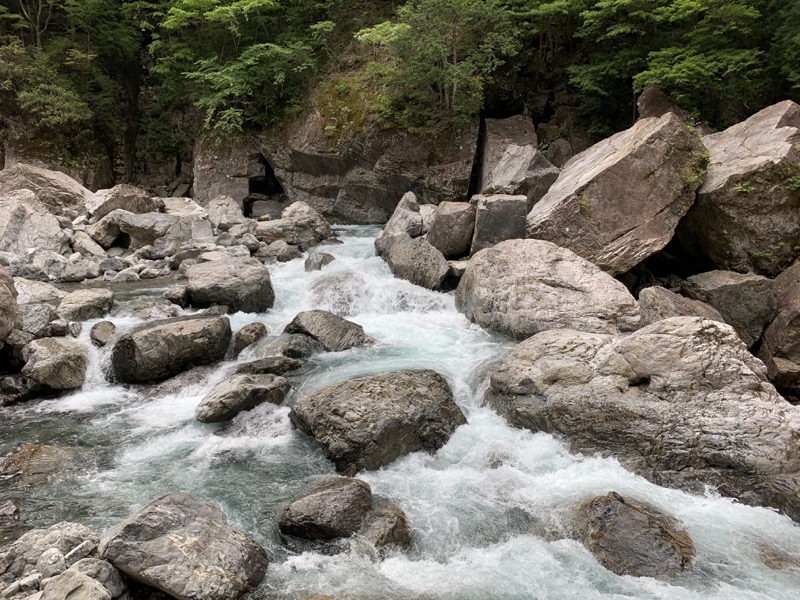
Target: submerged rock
x,y
239,393
242,284
124,196
387,528
333,332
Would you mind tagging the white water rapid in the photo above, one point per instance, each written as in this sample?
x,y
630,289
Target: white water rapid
x,y
479,509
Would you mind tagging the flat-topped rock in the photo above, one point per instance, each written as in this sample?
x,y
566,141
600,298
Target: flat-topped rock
x,y
241,284
85,304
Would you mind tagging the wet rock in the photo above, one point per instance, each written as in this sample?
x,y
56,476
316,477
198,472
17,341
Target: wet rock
x,y
681,402
25,223
746,302
276,365
498,218
387,528
125,197
242,284
333,332
156,351
335,507
620,201
633,538
369,422
31,292
415,260
196,378
451,228
294,346
406,218
657,303
177,295
247,336
317,260
34,464
102,333
85,304
59,192
9,512
10,317
522,287
74,585
184,547
239,393
55,363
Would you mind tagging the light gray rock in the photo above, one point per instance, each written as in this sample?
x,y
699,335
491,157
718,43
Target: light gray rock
x,y
620,201
83,243
369,422
103,572
239,393
36,318
681,402
184,547
58,191
658,303
498,218
26,224
85,304
51,563
293,346
242,284
451,228
317,260
185,208
334,508
31,291
55,363
224,212
522,287
141,229
333,332
125,197
159,350
406,218
415,260
74,585
10,317
247,336
299,225
102,333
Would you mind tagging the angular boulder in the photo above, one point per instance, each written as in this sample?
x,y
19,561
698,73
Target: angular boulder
x,y
58,191
239,393
780,347
55,363
333,332
247,336
658,303
682,402
102,333
184,547
451,228
85,304
299,225
241,284
317,260
156,351
140,229
406,218
125,197
521,287
334,508
415,260
369,422
224,212
620,201
26,224
36,319
498,218
73,585
10,317
277,365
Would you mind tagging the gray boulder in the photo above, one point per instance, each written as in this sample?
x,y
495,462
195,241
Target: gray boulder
x,y
55,363
620,201
522,287
277,365
658,303
141,229
387,528
369,422
317,260
59,192
102,333
239,393
415,260
451,228
31,291
293,345
156,351
333,332
103,572
241,284
299,225
247,336
224,212
125,197
334,508
85,304
25,223
498,218
780,347
681,402
10,317
73,585
82,242
36,318
406,218
184,547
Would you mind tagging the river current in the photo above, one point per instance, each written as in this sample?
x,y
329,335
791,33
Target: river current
x,y
480,509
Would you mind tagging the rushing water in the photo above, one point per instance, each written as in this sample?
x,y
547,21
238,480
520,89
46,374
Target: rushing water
x,y
480,509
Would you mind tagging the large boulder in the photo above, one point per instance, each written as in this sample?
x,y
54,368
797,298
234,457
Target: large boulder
x,y
333,332
73,585
56,363
451,228
10,317
369,422
124,196
184,547
85,304
334,508
224,212
406,218
415,260
746,217
241,284
619,201
26,224
658,303
239,393
59,192
522,287
31,291
681,402
156,351
36,318
141,229
497,218
299,225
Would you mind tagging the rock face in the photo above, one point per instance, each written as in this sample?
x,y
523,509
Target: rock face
x,y
334,508
59,192
26,224
619,201
415,260
241,284
124,196
681,401
239,393
159,350
747,302
333,332
369,422
82,305
522,287
184,547
498,218
451,228
55,363
745,217
632,538
658,303
9,313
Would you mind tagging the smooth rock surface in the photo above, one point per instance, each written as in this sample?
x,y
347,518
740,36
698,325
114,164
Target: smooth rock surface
x,y
74,585
451,228
415,260
334,508
333,332
498,218
85,304
241,284
239,393
247,336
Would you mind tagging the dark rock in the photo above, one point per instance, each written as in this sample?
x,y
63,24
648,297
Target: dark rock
x,y
242,284
498,218
387,528
276,365
336,507
317,260
239,393
248,335
9,312
333,332
415,260
102,333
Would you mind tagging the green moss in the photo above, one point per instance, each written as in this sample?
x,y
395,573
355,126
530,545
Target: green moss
x,y
585,205
744,187
694,171
793,183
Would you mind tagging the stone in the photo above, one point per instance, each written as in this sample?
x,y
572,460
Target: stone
x,y
36,291
387,528
294,346
10,317
224,212
406,218
498,218
277,365
415,260
103,572
620,201
521,287
55,363
58,191
36,318
9,512
317,260
780,346
239,393
184,547
333,332
26,224
451,228
242,284
299,225
745,217
140,229
369,422
102,333
334,508
85,304
51,563
79,552
178,295
746,302
74,585
633,538
247,336
162,349
280,251
184,208
124,196
147,310
681,402
658,303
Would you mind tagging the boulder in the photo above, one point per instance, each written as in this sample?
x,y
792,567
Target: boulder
x,y
333,332
83,243
102,333
159,350
224,212
26,224
124,196
387,528
497,218
620,201
658,303
239,393
745,217
406,218
103,572
36,291
294,346
317,260
451,228
746,302
10,317
140,229
369,422
277,365
247,336
632,538
780,347
55,363
85,304
415,260
299,225
334,508
522,287
185,208
59,192
36,318
681,402
184,547
73,585
241,284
